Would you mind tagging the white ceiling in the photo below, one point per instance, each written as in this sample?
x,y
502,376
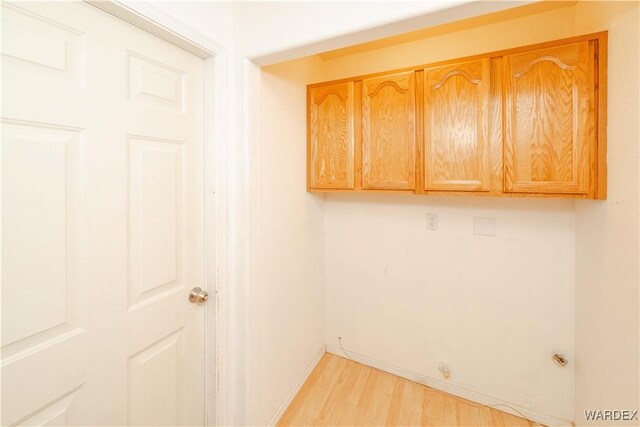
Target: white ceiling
x,y
272,32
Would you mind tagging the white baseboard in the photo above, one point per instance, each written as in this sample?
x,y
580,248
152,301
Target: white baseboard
x,y
455,390
296,388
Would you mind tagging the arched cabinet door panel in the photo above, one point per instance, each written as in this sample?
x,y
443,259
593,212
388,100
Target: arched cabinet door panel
x,y
389,132
549,119
330,124
456,144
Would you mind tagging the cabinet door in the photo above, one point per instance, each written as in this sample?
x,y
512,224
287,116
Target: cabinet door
x,y
388,132
331,136
549,119
457,149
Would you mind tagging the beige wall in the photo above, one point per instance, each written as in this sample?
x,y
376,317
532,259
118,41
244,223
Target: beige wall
x,y
607,249
552,24
495,309
289,281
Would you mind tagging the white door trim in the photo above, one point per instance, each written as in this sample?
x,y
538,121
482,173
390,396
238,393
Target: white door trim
x,y
217,98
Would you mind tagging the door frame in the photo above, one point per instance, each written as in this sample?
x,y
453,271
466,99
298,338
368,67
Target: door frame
x,y
217,99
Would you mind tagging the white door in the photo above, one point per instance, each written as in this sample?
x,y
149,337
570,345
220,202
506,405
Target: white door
x,y
102,221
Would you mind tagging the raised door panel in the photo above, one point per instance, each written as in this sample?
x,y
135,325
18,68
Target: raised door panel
x,y
389,132
43,274
156,379
331,136
549,120
156,219
67,410
42,57
457,149
154,84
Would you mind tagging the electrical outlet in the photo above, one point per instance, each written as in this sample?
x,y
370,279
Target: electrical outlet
x,y
443,367
432,222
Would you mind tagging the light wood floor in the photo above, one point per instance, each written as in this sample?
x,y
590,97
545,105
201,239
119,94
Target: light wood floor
x,y
340,392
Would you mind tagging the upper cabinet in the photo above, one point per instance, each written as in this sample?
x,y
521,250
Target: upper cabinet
x,y
549,119
389,132
330,129
456,127
527,121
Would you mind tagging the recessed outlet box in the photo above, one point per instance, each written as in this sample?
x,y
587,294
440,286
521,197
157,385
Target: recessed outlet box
x,y
484,226
432,222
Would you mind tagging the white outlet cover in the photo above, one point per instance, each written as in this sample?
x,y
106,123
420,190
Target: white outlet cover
x,y
484,226
432,221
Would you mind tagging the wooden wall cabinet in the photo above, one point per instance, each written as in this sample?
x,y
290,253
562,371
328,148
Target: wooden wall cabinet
x,y
389,132
457,153
549,119
527,122
330,127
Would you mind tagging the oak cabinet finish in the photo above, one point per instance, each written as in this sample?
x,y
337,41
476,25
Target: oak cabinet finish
x,y
524,122
549,119
456,109
388,132
331,115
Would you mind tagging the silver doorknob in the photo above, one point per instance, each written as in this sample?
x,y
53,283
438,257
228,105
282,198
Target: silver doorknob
x,y
198,295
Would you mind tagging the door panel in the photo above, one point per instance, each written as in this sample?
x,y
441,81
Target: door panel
x,y
389,132
102,222
154,84
157,371
331,115
65,411
549,119
156,219
41,225
457,149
